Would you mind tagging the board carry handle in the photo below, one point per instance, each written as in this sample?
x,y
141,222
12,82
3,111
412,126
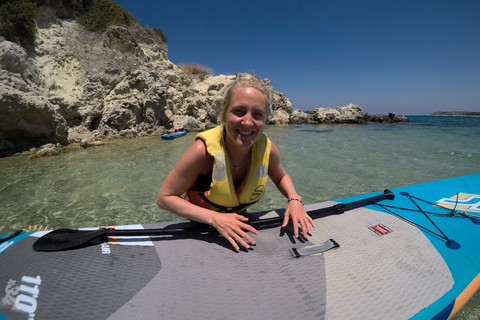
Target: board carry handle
x,y
63,239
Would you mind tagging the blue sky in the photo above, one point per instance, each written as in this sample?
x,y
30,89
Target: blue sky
x,y
407,56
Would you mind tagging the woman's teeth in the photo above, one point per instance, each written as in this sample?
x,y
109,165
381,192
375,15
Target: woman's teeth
x,y
245,133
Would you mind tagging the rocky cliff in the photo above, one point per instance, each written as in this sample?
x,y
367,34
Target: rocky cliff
x,y
75,85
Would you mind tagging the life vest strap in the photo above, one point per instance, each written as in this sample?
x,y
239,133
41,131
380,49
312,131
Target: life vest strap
x,y
238,208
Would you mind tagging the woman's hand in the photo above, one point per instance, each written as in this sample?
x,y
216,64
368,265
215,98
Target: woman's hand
x,y
232,227
296,212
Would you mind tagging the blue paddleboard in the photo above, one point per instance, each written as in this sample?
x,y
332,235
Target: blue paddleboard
x,y
369,257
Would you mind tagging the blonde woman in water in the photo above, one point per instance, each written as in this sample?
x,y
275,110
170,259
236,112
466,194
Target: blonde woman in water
x,y
225,170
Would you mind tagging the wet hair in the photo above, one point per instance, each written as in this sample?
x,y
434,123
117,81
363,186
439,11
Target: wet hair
x,y
246,81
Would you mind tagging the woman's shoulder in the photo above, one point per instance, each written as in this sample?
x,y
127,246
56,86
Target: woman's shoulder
x,y
198,155
197,150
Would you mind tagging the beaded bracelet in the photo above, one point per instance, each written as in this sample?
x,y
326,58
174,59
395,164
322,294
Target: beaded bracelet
x,y
295,200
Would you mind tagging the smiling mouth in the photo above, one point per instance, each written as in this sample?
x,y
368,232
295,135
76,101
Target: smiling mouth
x,y
245,133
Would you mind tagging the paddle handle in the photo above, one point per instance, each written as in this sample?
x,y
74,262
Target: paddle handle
x,y
387,195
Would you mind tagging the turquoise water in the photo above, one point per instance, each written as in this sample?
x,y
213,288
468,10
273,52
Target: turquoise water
x,y
117,183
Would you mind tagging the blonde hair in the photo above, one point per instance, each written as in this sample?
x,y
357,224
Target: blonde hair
x,y
246,81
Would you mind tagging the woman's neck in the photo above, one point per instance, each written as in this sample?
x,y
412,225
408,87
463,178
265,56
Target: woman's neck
x,y
236,153
237,156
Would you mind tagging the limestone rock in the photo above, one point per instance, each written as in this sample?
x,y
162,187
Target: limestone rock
x,y
49,149
299,117
119,38
13,58
27,118
281,107
85,143
348,114
74,84
392,117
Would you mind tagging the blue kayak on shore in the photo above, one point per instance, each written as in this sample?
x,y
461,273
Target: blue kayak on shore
x,y
173,135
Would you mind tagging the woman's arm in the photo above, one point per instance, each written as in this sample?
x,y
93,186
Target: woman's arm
x,y
295,209
194,161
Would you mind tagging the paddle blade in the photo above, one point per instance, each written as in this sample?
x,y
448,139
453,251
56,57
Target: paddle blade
x,y
63,239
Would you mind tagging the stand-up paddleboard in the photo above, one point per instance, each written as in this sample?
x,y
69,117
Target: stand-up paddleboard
x,y
416,256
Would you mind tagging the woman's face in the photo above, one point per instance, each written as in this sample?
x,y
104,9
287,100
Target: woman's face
x,y
246,117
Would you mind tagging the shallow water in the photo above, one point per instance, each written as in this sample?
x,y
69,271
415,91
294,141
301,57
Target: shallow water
x,y
117,183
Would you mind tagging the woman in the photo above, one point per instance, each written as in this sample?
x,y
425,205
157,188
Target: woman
x,y
226,168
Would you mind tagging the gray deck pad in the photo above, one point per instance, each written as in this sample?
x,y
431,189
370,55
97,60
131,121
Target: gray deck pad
x,y
374,276
73,284
203,278
369,276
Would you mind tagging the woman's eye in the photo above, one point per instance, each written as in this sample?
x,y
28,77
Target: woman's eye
x,y
258,116
238,113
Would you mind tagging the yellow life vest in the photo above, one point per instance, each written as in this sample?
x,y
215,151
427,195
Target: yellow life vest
x,y
222,195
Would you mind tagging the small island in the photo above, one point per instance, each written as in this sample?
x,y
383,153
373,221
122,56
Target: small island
x,y
456,113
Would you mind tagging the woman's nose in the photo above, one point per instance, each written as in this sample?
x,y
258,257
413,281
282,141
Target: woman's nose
x,y
247,119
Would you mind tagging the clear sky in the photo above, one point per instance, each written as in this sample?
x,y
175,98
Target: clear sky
x,y
403,56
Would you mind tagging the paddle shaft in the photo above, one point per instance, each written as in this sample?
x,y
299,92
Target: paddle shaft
x,y
337,209
63,239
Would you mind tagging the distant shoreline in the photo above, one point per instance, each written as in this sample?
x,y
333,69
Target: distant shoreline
x,y
456,113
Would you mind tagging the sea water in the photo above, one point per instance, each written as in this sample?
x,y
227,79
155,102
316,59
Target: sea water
x,y
117,183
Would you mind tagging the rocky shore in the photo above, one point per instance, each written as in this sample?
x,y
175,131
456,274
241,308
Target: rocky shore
x,y
74,85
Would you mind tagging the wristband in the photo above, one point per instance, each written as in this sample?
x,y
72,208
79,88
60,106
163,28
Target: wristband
x,y
295,200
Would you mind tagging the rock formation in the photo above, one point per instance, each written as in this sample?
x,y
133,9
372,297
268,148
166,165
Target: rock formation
x,y
75,85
